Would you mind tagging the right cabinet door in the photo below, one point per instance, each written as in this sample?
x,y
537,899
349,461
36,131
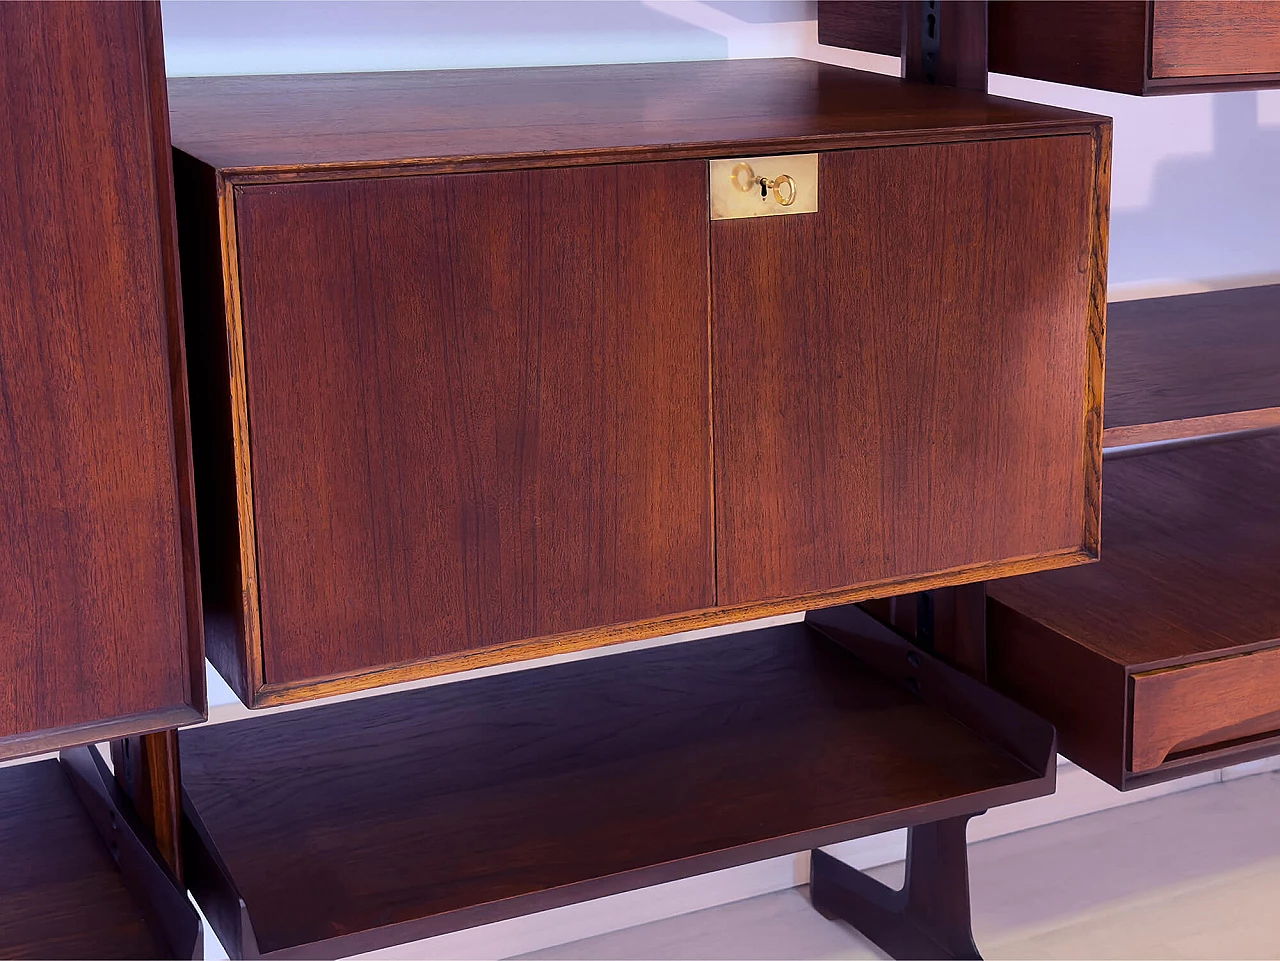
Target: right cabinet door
x,y
901,379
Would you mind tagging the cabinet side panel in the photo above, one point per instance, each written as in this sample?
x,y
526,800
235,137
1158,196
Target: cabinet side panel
x,y
92,601
478,409
200,243
900,379
1086,43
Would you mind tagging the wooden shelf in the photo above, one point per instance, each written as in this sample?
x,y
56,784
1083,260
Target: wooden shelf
x,y
1191,366
1187,595
68,892
378,821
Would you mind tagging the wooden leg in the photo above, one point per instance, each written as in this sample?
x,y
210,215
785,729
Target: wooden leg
x,y
928,918
960,628
146,769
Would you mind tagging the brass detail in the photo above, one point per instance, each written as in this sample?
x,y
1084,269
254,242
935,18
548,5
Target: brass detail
x,y
764,186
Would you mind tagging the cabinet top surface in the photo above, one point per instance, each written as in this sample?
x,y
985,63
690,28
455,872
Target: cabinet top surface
x,y
557,115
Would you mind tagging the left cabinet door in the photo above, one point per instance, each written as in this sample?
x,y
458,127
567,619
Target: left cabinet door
x,y
478,410
99,600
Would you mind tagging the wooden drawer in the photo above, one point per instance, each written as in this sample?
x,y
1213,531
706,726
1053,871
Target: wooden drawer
x,y
1214,38
1181,711
1164,658
462,402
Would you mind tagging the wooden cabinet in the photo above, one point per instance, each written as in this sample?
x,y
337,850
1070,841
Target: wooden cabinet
x,y
487,381
100,634
1129,46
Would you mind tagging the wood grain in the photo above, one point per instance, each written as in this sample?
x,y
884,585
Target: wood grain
x,y
1190,573
323,125
99,604
871,25
61,894
1193,365
1214,38
1210,702
479,407
864,434
1086,43
489,798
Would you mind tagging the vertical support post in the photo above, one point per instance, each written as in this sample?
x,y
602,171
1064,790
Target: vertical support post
x,y
945,42
960,628
147,771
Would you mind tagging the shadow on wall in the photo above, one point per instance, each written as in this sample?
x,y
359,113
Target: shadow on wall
x,y
1210,216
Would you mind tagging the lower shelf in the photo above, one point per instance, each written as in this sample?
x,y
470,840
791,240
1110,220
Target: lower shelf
x,y
373,822
77,882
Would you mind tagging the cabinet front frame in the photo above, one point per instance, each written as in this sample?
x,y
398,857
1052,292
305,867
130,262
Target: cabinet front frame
x,y
240,657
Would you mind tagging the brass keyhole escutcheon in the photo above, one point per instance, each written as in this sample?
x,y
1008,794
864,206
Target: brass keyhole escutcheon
x,y
783,186
758,186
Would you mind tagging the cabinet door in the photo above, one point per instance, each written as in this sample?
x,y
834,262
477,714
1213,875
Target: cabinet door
x,y
900,378
478,409
99,619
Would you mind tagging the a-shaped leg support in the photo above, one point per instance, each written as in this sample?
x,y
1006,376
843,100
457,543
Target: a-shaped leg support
x,y
928,917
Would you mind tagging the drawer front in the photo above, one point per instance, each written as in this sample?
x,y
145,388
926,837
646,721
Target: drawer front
x,y
900,379
478,409
1207,38
1188,710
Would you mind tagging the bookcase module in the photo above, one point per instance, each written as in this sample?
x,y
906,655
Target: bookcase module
x,y
477,377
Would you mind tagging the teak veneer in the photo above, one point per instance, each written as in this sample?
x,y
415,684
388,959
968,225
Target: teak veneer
x,y
1163,658
1192,366
78,881
349,827
477,378
100,626
1139,47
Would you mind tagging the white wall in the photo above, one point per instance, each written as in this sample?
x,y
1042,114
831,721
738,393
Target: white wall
x,y
1196,178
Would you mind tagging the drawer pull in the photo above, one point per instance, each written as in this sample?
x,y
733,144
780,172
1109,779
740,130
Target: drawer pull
x,y
764,186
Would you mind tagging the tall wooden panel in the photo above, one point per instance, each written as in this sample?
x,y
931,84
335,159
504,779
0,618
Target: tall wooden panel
x,y
479,409
900,378
99,625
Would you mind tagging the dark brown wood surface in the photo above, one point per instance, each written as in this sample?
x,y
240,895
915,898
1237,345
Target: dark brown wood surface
x,y
1191,562
147,772
1087,43
380,820
61,894
890,402
561,115
479,408
871,25
1178,366
1190,573
1198,38
1212,702
99,620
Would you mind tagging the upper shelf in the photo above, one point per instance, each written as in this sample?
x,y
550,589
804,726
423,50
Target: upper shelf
x,y
476,801
63,892
1190,366
567,115
1129,46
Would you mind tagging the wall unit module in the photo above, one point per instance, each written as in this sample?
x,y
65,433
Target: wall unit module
x,y
480,378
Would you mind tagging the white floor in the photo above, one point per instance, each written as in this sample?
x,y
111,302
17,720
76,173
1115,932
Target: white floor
x,y
1188,875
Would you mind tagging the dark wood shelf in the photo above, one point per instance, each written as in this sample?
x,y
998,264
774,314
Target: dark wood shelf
x,y
379,821
1186,595
1191,366
66,891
